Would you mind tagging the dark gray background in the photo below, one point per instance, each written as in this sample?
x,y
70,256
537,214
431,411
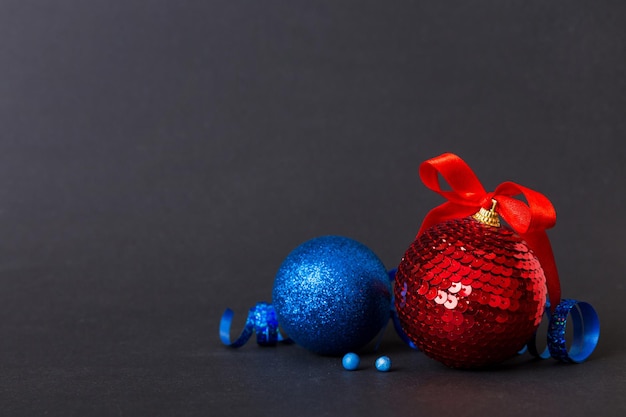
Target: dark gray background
x,y
159,159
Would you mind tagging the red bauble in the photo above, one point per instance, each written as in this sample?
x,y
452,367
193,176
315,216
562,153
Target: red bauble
x,y
469,294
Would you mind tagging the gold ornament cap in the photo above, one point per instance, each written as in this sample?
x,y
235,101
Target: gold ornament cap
x,y
488,217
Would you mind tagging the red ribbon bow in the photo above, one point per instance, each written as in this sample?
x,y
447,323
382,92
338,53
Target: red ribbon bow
x,y
467,196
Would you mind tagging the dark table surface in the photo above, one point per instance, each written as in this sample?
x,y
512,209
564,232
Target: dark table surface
x,y
158,160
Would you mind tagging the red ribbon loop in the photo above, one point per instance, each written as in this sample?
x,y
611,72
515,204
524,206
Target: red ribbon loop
x,y
467,195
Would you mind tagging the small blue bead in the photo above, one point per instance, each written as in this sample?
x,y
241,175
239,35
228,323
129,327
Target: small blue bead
x,y
383,364
351,361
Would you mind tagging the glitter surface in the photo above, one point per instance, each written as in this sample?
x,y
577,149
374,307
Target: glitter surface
x,y
332,295
468,294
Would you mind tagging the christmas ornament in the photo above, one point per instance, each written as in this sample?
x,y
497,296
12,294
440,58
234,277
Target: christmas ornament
x,y
332,295
469,291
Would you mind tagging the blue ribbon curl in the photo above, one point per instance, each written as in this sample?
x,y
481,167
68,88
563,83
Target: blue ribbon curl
x,y
586,327
261,320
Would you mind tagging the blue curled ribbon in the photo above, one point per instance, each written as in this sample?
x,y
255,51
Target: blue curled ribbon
x,y
586,326
261,320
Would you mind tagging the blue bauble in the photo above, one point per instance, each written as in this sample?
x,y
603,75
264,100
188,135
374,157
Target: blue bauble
x,y
332,295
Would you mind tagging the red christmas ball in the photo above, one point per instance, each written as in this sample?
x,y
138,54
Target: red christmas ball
x,y
469,294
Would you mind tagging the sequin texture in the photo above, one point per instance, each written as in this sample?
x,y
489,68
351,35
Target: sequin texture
x,y
468,294
332,295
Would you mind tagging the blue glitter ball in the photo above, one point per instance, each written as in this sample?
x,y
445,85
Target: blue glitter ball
x,y
332,295
383,364
351,361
